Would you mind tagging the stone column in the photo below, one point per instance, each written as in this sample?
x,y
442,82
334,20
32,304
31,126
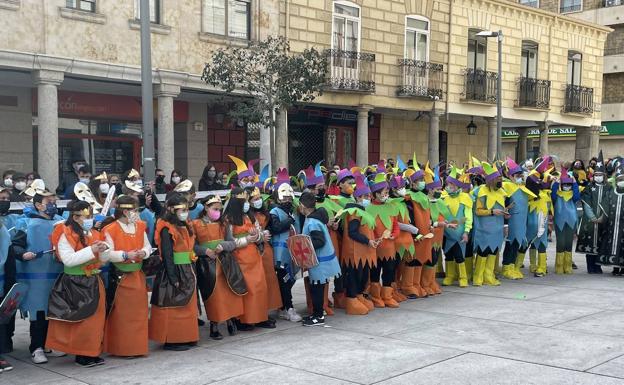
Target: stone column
x,y
523,134
265,148
433,148
361,152
281,140
166,156
543,129
492,137
587,142
47,112
594,142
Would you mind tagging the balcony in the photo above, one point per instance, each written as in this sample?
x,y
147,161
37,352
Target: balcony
x,y
479,86
350,71
579,100
533,93
420,79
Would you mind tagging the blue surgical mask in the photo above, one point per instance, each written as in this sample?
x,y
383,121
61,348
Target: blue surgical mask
x,y
365,202
519,180
566,187
51,210
257,204
87,224
421,186
245,207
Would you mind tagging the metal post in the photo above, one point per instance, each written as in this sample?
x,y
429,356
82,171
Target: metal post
x,y
499,99
147,97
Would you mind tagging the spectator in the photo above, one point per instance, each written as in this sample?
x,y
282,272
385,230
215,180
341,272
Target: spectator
x,y
7,177
160,187
176,177
19,185
70,178
209,181
113,181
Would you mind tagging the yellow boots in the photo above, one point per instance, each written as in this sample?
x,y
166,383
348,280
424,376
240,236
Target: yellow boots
x,y
559,262
567,262
479,269
518,265
533,260
463,276
488,275
451,273
541,265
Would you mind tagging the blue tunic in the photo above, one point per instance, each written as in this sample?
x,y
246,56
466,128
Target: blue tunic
x,y
565,211
328,266
454,236
149,218
281,255
488,230
39,273
519,216
5,242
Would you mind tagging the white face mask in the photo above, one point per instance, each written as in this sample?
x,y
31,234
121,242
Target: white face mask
x,y
401,192
620,184
599,179
257,204
20,186
245,207
104,188
566,188
8,182
133,217
519,180
84,180
175,179
183,216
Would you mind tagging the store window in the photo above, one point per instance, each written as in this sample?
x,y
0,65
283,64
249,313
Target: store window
x,y
529,59
346,27
477,50
155,10
83,5
233,16
417,38
575,61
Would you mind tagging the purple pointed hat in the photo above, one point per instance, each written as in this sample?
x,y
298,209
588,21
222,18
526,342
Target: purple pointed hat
x,y
512,167
361,187
344,173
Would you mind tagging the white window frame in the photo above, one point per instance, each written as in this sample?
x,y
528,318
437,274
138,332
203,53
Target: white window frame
x,y
346,17
75,5
417,30
226,33
566,12
159,12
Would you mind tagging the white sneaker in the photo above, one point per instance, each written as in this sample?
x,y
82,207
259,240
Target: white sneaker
x,y
54,353
290,315
39,357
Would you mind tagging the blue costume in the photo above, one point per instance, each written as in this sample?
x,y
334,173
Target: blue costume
x,y
565,220
328,266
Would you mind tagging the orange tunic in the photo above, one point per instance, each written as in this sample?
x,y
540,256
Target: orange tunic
x,y
126,325
175,324
273,291
355,253
84,337
422,220
387,248
255,302
222,304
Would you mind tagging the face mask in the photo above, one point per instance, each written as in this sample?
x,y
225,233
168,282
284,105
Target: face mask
x,y
519,180
599,179
104,188
87,224
133,217
365,202
620,184
451,191
499,184
566,188
212,174
246,207
383,198
421,185
246,184
50,210
8,182
4,207
183,216
214,215
175,179
401,192
437,194
84,180
257,204
139,182
19,186
160,178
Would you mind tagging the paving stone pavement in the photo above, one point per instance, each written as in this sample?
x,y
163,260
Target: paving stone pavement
x,y
551,330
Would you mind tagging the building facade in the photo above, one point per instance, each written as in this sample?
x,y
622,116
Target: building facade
x,y
609,13
404,76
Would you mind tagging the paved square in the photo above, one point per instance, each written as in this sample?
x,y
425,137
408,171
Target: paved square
x,y
551,330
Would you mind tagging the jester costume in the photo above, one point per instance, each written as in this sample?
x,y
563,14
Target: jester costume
x,y
540,208
565,194
438,211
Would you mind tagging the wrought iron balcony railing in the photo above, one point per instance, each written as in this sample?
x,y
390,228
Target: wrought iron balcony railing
x,y
533,93
420,79
579,100
350,71
479,85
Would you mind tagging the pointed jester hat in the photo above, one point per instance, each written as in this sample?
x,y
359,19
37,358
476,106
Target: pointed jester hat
x,y
343,174
474,165
244,170
432,177
565,176
491,172
455,178
264,177
282,185
600,164
379,183
396,182
415,173
512,167
314,176
361,187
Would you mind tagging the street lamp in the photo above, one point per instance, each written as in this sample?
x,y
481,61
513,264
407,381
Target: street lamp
x,y
499,112
471,127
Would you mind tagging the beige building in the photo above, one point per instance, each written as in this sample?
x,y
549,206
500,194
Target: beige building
x,y
404,76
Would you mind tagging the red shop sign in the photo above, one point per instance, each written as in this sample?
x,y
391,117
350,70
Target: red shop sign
x,y
87,105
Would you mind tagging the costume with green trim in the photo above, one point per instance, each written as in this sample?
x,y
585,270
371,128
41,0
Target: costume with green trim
x,y
460,212
489,229
355,254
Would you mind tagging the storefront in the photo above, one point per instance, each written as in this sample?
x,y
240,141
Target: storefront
x,y
103,129
562,141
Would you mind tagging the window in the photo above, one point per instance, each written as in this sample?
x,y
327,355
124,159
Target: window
x,y
575,60
570,6
477,50
154,6
529,60
83,5
417,38
530,3
346,27
232,16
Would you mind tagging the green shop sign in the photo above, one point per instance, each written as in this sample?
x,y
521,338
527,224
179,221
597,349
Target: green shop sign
x,y
608,129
